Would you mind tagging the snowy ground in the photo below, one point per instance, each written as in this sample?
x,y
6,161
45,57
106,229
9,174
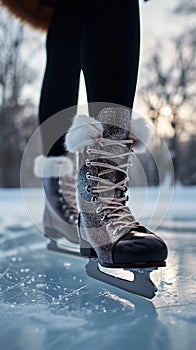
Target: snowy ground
x,y
48,302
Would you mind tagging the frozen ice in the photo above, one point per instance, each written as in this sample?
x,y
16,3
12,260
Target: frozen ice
x,y
48,302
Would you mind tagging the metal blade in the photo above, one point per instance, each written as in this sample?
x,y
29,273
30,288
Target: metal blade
x,y
140,285
65,249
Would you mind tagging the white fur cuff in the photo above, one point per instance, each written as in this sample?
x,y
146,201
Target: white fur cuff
x,y
52,166
83,132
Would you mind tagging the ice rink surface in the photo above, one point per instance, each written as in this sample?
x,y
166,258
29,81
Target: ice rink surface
x,y
48,302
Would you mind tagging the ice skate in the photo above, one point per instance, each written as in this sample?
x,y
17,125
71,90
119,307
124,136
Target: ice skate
x,y
61,215
109,235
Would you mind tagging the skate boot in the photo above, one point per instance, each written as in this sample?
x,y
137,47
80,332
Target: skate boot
x,y
108,233
61,215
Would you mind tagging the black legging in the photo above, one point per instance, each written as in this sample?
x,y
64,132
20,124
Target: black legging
x,y
101,37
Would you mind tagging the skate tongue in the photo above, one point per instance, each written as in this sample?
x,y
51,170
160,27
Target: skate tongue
x,y
116,123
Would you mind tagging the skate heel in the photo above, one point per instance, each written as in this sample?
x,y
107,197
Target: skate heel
x,y
86,249
52,233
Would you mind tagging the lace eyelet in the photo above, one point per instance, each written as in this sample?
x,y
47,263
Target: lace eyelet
x,y
109,225
88,189
98,210
88,163
67,211
60,191
103,216
94,199
88,150
88,176
115,232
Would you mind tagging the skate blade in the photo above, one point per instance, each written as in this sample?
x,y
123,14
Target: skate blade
x,y
136,281
59,247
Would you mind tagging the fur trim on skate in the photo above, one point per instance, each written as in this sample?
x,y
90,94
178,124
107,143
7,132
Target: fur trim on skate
x,y
141,131
83,132
52,166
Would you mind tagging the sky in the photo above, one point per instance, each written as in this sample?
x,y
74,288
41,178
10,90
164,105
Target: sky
x,y
157,20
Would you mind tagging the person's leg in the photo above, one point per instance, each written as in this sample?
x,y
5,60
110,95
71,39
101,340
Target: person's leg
x,y
110,51
60,92
107,228
61,80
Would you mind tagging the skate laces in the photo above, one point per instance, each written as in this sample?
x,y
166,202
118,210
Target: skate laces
x,y
111,207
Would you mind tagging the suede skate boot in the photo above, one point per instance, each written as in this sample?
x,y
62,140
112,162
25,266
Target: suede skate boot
x,y
107,229
60,182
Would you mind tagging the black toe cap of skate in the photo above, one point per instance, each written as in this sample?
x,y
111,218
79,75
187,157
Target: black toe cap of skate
x,y
138,247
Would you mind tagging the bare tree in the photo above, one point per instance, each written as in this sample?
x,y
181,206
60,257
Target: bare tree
x,y
170,87
15,74
171,84
186,7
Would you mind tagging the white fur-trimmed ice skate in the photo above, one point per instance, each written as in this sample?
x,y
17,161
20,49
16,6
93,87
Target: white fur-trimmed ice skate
x,y
109,235
60,219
